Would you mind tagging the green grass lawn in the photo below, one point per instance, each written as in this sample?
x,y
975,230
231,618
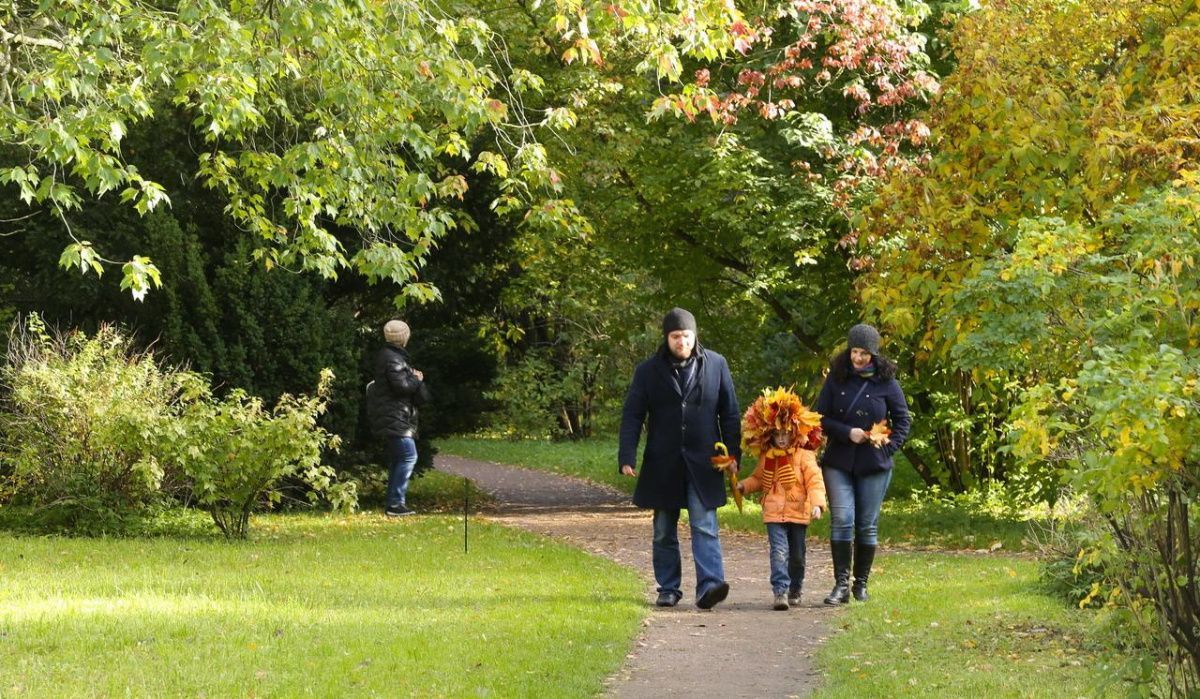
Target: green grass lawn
x,y
313,605
960,625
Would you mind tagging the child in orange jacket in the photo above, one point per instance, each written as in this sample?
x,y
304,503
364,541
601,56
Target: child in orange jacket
x,y
785,435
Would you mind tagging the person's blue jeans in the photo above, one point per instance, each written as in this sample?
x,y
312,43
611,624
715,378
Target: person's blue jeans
x,y
787,555
706,547
854,503
401,458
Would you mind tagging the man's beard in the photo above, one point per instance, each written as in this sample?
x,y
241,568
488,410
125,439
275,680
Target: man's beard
x,y
676,355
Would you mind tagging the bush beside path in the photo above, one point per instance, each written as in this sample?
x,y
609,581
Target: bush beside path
x,y
741,648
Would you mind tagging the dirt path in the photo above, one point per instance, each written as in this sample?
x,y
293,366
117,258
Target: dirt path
x,y
740,649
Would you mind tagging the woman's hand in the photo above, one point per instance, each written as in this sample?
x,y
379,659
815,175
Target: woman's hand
x,y
857,435
627,470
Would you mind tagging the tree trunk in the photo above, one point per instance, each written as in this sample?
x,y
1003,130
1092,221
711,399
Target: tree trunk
x,y
919,465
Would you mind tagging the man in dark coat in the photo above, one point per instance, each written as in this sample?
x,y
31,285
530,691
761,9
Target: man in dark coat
x,y
392,398
684,395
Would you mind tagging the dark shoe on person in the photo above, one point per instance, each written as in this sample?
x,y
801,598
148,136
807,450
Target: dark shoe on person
x,y
781,602
840,594
842,552
864,557
397,511
713,596
668,599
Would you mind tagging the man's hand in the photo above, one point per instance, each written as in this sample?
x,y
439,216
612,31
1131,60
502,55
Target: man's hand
x,y
627,470
857,435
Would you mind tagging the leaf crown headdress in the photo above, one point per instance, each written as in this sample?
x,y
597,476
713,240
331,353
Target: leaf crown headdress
x,y
778,410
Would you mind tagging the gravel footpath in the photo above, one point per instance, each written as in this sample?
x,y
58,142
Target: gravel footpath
x,y
742,648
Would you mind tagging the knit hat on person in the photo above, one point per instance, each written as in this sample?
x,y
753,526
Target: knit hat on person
x,y
865,337
678,319
396,332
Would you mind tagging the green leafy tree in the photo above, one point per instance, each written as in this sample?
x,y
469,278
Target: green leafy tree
x,y
1047,261
1100,115
308,118
744,191
731,200
1120,419
568,329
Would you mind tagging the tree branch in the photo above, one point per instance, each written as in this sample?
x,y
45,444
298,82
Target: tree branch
x,y
10,38
732,263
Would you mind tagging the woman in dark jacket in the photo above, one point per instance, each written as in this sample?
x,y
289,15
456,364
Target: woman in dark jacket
x,y
860,392
392,398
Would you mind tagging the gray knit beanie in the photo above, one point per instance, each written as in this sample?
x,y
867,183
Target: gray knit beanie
x,y
865,337
678,319
396,332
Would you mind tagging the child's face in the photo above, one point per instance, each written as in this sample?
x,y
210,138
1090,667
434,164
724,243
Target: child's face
x,y
782,439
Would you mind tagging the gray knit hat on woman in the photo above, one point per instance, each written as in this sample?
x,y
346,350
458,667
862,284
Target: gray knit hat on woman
x,y
865,337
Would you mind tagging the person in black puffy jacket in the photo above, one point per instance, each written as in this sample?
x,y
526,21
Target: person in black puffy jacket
x,y
860,393
392,399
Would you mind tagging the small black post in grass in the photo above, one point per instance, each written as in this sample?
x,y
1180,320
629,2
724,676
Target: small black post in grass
x,y
466,497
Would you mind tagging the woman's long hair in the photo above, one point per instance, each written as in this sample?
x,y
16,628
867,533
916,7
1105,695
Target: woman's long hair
x,y
841,368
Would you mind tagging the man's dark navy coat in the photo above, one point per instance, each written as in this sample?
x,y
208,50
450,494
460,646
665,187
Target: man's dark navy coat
x,y
680,430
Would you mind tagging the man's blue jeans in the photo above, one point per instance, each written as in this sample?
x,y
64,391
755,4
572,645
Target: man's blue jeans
x,y
854,503
706,547
787,555
401,458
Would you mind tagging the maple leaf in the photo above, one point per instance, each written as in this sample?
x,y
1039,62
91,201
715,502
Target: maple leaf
x,y
879,434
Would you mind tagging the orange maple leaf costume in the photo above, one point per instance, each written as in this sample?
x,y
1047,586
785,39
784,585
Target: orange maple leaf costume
x,y
789,478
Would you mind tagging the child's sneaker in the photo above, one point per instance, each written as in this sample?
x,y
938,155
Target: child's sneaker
x,y
781,602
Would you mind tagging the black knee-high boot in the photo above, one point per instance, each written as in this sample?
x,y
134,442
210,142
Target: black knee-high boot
x,y
841,572
864,556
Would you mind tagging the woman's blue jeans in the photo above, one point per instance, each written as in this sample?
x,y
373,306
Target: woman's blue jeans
x,y
854,503
401,458
706,547
787,555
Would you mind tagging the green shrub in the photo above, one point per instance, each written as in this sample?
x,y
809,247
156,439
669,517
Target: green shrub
x,y
234,453
80,424
1073,561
